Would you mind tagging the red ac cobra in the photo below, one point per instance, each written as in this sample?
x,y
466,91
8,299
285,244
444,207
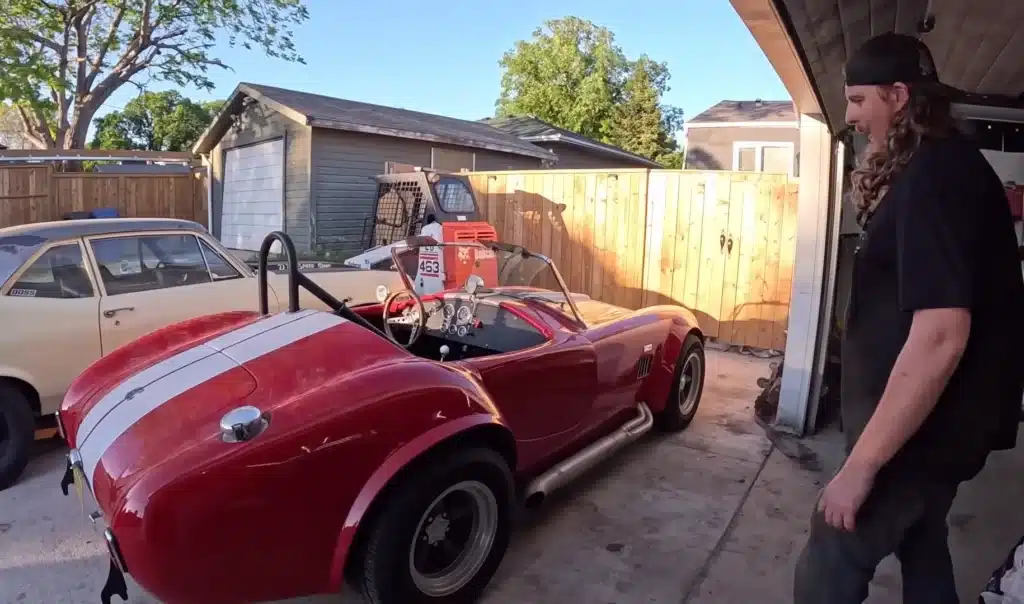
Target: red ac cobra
x,y
245,457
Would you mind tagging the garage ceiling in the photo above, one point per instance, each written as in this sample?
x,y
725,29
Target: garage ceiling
x,y
977,44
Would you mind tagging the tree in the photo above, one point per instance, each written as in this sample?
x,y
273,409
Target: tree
x,y
155,121
640,123
569,74
10,128
61,60
573,75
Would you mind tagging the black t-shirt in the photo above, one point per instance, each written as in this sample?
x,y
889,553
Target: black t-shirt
x,y
942,237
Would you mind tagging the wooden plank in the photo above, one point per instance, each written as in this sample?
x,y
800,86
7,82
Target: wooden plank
x,y
787,258
576,216
685,214
712,269
765,335
638,186
599,247
655,235
755,296
667,266
734,235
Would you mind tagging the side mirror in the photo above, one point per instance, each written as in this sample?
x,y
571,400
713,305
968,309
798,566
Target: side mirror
x,y
473,284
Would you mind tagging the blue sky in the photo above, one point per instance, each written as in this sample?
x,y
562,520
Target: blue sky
x,y
443,57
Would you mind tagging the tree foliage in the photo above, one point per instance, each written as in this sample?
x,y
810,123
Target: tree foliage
x,y
573,75
60,60
155,121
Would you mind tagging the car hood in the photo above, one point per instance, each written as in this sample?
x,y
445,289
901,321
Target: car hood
x,y
174,402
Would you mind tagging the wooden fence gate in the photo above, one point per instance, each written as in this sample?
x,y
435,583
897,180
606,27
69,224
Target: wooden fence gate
x,y
721,244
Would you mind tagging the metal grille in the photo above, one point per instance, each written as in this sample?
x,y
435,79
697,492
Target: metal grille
x,y
644,366
399,213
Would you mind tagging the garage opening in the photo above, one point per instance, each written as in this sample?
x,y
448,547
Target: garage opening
x,y
253,194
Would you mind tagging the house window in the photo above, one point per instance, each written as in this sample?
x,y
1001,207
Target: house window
x,y
771,157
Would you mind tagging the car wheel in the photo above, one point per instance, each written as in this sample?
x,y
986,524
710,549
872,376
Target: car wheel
x,y
17,433
442,532
687,388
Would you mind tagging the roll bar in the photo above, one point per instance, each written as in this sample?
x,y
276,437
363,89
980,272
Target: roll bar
x,y
296,279
293,271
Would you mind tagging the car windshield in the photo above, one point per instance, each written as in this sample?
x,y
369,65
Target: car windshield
x,y
14,251
496,269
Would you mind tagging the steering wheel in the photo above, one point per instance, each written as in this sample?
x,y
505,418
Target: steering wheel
x,y
415,318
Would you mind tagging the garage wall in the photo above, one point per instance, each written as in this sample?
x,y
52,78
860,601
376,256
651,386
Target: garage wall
x,y
344,165
258,123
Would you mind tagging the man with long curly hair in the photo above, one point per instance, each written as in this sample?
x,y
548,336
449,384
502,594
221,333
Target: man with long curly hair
x,y
931,377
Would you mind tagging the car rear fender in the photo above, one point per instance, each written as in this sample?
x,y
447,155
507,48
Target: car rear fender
x,y
476,423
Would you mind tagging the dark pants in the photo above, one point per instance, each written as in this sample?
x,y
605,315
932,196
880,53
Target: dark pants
x,y
906,518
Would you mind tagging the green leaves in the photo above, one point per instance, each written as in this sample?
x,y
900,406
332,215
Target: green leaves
x,y
61,60
155,121
573,75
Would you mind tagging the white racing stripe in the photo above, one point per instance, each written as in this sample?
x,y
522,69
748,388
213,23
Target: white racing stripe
x,y
171,364
187,370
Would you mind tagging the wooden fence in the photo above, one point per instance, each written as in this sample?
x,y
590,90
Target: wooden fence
x,y
36,193
722,244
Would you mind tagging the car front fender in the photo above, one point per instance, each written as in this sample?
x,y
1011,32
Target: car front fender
x,y
387,471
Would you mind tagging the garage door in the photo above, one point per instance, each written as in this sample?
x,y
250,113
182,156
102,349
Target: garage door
x,y
253,199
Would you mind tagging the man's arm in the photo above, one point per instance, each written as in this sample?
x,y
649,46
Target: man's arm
x,y
936,262
929,357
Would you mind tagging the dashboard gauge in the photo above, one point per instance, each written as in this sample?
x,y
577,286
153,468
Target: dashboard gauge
x,y
451,329
465,315
449,311
462,330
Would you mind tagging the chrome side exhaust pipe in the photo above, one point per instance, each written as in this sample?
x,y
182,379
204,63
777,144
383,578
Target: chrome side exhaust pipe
x,y
575,466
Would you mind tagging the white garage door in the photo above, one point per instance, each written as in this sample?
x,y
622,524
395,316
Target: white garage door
x,y
253,199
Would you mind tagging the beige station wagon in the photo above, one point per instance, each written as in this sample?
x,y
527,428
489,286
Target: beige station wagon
x,y
74,290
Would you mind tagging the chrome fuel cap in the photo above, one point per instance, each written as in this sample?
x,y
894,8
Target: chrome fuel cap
x,y
242,424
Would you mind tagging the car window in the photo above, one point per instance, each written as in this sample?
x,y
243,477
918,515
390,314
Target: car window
x,y
219,267
147,262
58,273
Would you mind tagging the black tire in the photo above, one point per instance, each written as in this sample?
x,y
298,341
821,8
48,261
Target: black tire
x,y
384,568
17,433
677,416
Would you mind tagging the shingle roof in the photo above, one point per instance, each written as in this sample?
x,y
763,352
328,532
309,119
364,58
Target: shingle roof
x,y
536,130
340,114
747,111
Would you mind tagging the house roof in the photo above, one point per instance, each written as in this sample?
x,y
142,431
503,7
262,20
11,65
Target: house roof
x,y
536,130
321,111
746,112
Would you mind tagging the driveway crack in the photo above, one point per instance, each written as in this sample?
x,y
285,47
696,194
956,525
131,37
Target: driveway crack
x,y
716,551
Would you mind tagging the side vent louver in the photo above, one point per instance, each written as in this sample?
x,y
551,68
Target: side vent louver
x,y
643,366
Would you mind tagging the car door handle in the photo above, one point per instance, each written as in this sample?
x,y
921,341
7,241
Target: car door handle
x,y
113,311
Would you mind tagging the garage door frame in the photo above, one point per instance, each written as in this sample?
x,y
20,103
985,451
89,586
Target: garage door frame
x,y
283,137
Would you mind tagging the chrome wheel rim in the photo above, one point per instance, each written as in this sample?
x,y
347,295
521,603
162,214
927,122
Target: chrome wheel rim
x,y
689,383
453,539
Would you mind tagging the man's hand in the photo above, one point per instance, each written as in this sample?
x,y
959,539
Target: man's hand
x,y
844,495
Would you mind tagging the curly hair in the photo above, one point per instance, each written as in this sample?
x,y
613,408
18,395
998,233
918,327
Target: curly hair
x,y
925,115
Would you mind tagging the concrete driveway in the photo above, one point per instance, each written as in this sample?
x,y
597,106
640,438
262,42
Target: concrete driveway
x,y
715,515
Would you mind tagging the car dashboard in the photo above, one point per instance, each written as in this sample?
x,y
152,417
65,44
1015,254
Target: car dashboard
x,y
482,323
